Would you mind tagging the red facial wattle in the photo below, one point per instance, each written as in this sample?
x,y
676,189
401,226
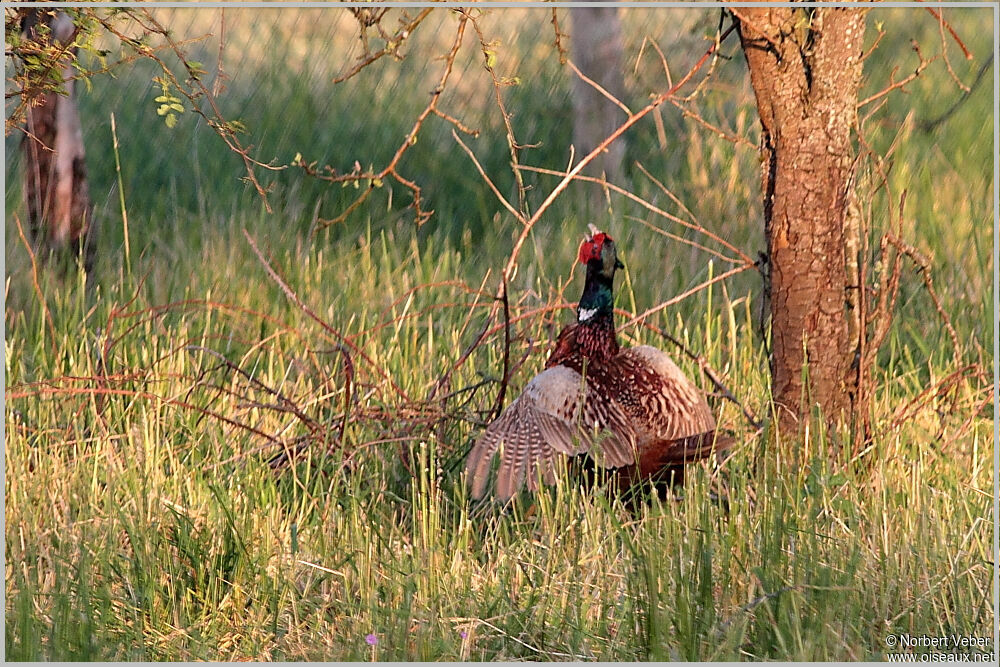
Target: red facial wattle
x,y
591,248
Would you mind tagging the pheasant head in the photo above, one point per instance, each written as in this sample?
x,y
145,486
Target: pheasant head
x,y
599,255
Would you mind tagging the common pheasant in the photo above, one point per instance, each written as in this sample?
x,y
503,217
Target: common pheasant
x,y
630,410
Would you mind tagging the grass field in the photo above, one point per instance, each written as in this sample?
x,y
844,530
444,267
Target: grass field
x,y
144,522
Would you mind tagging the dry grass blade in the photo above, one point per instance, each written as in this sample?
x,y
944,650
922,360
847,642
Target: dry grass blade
x,y
340,338
34,279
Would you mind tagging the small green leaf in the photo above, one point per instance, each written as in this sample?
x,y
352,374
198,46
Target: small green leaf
x,y
171,120
491,59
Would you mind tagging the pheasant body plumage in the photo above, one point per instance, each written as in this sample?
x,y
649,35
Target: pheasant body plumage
x,y
631,410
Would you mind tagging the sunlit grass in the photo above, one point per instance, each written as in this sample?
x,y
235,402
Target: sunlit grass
x,y
142,525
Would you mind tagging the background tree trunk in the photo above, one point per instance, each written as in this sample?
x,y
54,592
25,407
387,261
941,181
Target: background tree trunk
x,y
55,173
805,68
596,49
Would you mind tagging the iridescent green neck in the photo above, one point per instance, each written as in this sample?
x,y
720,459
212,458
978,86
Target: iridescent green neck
x,y
597,301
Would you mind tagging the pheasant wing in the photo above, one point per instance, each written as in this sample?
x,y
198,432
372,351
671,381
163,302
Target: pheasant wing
x,y
555,414
663,402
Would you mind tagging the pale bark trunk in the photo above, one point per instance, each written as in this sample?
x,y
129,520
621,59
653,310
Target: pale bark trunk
x,y
55,179
596,49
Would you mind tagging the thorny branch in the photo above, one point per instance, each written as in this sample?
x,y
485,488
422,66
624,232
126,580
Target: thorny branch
x,y
512,144
893,84
191,88
392,42
374,179
225,129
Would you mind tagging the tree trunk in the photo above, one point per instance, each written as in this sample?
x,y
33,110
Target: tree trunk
x,y
55,176
805,68
596,49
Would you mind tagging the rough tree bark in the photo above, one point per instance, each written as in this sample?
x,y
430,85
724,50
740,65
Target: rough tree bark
x,y
805,68
55,175
596,49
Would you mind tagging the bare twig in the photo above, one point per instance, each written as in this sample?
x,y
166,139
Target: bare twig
x,y
905,412
286,403
678,238
683,295
512,144
294,298
893,84
980,77
489,182
599,88
392,45
663,59
940,18
963,427
219,82
924,269
947,60
878,39
559,35
696,117
665,190
743,257
390,170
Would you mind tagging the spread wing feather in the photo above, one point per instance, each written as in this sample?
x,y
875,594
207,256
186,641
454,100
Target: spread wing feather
x,y
556,414
658,396
641,397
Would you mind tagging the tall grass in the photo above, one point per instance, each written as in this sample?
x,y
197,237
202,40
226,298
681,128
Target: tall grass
x,y
143,524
